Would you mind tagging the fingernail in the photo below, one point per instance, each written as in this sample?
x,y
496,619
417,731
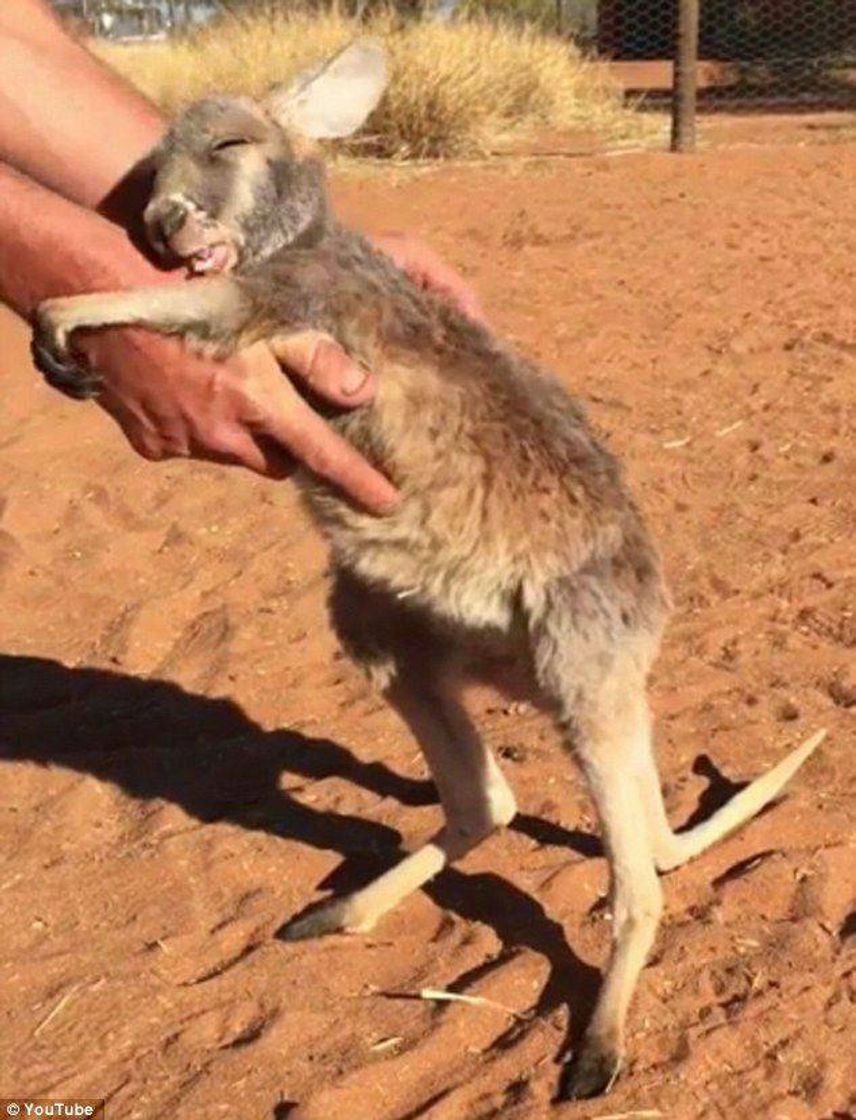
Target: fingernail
x,y
354,378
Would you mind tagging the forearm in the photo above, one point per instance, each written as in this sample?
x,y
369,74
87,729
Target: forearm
x,y
66,120
50,247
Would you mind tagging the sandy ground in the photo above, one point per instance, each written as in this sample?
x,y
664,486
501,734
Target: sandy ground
x,y
187,762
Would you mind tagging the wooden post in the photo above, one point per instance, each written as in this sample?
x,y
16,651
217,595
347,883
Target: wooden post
x,y
685,77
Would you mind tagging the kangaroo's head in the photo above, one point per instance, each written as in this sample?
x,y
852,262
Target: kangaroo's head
x,y
235,180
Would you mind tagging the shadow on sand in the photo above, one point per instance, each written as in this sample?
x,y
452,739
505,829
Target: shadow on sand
x,y
153,739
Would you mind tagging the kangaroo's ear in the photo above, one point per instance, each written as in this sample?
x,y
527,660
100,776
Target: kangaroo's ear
x,y
335,98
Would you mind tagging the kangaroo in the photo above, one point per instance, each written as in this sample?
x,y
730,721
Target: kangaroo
x,y
516,545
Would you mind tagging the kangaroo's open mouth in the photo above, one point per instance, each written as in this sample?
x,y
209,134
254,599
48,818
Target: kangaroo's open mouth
x,y
180,228
220,257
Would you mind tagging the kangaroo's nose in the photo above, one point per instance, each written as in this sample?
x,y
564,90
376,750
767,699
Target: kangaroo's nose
x,y
164,217
171,218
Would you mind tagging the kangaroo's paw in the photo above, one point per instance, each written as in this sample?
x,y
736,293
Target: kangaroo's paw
x,y
590,1072
53,358
65,374
335,916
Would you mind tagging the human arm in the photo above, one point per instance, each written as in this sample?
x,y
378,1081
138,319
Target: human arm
x,y
66,120
57,106
168,401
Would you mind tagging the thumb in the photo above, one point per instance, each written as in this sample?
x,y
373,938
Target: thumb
x,y
289,421
321,363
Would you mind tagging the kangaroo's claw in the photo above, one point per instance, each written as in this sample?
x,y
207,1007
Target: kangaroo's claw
x,y
61,370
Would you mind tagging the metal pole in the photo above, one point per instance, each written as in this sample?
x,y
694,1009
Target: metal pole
x,y
685,77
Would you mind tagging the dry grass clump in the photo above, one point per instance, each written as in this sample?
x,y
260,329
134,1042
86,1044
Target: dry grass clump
x,y
459,89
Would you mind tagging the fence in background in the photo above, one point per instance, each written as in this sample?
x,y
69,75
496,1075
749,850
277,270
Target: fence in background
x,y
753,56
135,19
738,56
687,56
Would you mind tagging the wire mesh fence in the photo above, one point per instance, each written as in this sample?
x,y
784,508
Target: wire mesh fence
x,y
699,58
753,54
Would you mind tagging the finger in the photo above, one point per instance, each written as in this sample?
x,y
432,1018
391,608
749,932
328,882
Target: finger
x,y
435,275
470,304
428,270
303,434
453,289
147,440
236,447
320,362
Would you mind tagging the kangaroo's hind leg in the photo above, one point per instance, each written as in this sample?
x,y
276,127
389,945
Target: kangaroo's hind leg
x,y
610,732
607,735
423,688
593,638
593,648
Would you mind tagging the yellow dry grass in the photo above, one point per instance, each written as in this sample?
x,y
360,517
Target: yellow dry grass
x,y
462,89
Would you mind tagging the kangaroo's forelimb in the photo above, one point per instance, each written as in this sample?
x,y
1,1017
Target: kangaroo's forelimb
x,y
208,310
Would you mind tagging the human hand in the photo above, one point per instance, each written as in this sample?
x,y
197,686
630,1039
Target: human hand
x,y
319,362
171,403
428,270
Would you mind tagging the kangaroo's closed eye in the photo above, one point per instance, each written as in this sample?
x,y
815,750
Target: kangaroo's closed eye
x,y
230,142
